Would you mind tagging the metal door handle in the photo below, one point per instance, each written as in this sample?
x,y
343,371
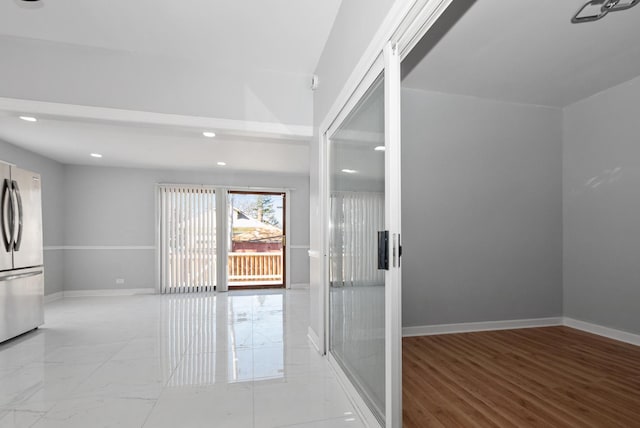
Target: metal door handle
x,y
20,275
383,250
18,240
7,215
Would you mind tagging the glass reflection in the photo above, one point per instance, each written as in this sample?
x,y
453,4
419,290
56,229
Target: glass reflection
x,y
231,338
357,335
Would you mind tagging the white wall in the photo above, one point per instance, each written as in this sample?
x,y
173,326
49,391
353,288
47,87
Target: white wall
x,y
116,207
481,210
602,208
353,30
52,174
73,74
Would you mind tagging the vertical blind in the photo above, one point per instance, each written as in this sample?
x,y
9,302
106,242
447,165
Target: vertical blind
x,y
187,239
357,217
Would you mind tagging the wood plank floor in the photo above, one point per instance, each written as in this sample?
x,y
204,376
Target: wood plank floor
x,y
538,377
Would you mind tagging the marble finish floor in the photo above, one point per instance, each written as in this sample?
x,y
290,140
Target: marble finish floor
x,y
238,359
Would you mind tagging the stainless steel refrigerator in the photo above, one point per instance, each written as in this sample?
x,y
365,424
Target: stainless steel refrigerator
x,y
21,262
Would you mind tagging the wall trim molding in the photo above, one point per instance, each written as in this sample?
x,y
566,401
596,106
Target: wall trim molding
x,y
108,114
53,297
99,247
300,286
361,408
429,330
611,333
109,292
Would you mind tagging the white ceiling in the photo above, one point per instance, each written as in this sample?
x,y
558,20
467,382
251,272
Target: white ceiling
x,y
284,35
71,141
244,36
529,52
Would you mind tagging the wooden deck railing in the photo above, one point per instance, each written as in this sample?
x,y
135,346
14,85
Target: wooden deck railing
x,y
255,267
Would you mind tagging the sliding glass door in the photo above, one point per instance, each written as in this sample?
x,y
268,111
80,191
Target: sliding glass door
x,y
202,228
364,242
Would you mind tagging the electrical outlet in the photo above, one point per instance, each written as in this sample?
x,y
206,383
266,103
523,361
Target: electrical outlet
x,y
119,281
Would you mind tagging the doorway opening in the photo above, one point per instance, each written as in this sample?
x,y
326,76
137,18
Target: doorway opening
x,y
523,211
257,240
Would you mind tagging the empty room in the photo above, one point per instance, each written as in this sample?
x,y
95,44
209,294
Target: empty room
x,y
519,200
386,213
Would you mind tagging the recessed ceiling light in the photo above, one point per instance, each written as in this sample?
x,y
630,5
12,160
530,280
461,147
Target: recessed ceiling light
x,y
209,134
379,149
349,171
222,163
96,155
28,118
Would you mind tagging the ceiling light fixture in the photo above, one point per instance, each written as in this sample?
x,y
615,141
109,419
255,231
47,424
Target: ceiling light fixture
x,y
222,164
379,149
96,155
349,171
29,4
209,134
28,118
597,9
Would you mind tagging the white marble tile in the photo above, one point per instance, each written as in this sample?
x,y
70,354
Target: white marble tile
x,y
222,405
97,353
108,412
138,378
18,419
348,421
225,360
152,348
37,386
24,350
299,399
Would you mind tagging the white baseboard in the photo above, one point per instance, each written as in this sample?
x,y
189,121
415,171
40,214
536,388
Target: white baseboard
x,y
429,330
610,333
53,297
300,286
109,293
314,339
361,408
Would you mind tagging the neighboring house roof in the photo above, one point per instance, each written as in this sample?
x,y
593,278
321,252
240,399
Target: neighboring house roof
x,y
248,229
245,228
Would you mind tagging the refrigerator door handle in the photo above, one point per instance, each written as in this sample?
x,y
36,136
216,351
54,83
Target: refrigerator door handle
x,y
20,275
18,240
7,215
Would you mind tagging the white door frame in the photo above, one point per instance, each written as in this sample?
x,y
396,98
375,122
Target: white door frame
x,y
392,217
389,64
405,25
287,227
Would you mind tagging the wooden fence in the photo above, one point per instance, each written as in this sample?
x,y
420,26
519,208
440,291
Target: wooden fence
x,y
255,268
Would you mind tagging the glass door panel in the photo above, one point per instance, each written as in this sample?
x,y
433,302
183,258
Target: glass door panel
x,y
357,213
256,257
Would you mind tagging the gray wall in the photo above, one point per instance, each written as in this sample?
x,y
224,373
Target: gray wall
x,y
52,174
602,208
481,210
355,25
116,207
